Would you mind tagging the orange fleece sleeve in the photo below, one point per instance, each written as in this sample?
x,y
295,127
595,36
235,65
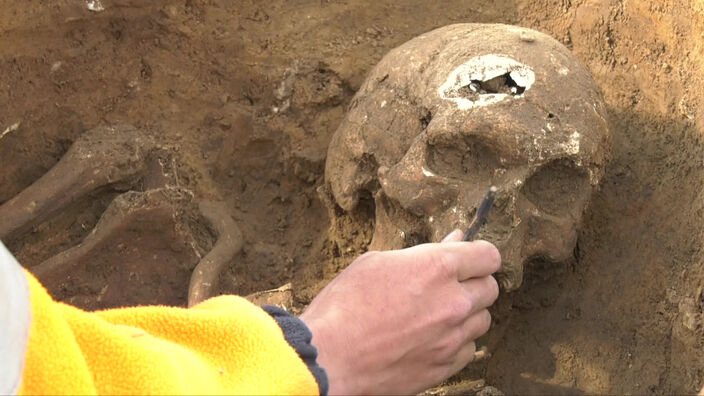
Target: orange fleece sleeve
x,y
225,345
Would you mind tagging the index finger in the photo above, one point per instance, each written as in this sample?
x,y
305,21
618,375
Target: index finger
x,y
473,259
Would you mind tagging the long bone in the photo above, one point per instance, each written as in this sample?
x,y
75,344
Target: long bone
x,y
101,157
127,211
117,157
139,209
205,276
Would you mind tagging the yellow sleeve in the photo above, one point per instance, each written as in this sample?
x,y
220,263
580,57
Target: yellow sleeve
x,y
225,345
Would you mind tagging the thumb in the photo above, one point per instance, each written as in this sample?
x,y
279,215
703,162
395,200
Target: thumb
x,y
454,236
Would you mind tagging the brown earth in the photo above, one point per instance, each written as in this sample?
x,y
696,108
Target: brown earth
x,y
250,94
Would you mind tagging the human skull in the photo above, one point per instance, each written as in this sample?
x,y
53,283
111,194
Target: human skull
x,y
456,110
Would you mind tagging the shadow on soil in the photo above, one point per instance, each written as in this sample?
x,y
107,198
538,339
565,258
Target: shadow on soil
x,y
619,317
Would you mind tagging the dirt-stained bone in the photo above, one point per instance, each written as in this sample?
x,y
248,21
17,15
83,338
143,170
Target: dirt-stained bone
x,y
207,273
124,158
160,218
134,214
101,157
456,110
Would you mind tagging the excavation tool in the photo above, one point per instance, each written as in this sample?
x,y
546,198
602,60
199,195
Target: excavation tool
x,y
477,223
480,217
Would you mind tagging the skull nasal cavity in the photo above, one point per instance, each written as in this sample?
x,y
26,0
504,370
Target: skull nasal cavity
x,y
502,84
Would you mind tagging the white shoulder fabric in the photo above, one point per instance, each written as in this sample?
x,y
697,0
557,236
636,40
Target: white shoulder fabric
x,y
15,317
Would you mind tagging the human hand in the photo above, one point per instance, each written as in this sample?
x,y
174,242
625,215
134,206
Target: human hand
x,y
402,321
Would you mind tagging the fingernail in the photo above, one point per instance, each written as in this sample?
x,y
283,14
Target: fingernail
x,y
451,236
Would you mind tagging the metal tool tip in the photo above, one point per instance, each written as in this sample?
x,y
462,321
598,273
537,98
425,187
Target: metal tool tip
x,y
493,189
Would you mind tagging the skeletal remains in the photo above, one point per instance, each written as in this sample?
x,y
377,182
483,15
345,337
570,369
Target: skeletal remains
x,y
124,158
456,110
437,121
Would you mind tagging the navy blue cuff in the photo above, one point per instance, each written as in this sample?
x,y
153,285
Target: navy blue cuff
x,y
299,337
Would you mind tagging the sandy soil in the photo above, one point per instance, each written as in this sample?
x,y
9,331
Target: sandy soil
x,y
250,94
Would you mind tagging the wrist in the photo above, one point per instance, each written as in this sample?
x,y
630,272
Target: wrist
x,y
329,357
299,337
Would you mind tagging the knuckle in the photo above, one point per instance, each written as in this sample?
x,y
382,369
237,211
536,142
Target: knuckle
x,y
452,343
440,373
485,321
457,340
370,255
468,352
493,288
463,357
444,266
478,325
367,257
471,349
458,310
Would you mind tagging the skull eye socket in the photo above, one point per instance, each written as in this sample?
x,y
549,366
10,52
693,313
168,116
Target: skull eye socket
x,y
558,188
470,159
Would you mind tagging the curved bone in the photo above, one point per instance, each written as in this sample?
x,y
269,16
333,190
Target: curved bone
x,y
207,273
387,234
100,157
141,238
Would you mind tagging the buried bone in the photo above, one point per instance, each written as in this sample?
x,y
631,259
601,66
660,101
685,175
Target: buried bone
x,y
456,110
164,221
161,221
105,156
206,275
143,239
113,254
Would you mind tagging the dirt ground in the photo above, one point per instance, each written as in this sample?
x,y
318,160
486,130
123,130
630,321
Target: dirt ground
x,y
250,93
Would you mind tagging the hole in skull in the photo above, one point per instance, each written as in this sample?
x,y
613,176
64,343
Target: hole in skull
x,y
558,188
503,84
369,166
366,206
425,119
468,159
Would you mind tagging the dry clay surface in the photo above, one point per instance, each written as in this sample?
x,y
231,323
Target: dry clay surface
x,y
250,94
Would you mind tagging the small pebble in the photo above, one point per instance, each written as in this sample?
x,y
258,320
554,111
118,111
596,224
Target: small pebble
x,y
56,66
527,37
